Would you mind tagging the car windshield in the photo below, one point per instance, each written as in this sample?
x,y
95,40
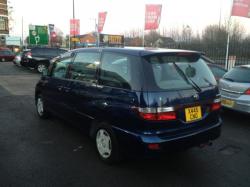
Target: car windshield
x,y
180,71
238,74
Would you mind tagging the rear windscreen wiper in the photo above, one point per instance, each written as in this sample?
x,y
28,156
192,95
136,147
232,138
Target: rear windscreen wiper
x,y
188,80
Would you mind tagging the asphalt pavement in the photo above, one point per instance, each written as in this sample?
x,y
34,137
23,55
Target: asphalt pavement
x,y
35,152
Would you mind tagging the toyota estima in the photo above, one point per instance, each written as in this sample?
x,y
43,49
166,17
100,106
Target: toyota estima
x,y
133,100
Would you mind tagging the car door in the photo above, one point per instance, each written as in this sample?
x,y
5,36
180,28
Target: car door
x,y
58,86
82,74
119,88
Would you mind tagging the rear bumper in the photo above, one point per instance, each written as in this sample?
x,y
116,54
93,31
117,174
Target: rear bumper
x,y
241,104
133,143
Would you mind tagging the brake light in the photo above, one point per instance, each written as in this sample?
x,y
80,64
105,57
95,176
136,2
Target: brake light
x,y
29,54
157,114
247,92
216,105
154,146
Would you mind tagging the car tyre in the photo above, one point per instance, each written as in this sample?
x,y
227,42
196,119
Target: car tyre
x,y
107,144
3,59
40,108
40,67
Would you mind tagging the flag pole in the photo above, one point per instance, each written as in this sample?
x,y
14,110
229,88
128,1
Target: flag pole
x,y
228,36
228,43
143,38
143,30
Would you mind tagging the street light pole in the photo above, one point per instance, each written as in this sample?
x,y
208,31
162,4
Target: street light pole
x,y
22,33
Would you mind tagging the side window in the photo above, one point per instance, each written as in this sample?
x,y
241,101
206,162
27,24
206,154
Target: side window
x,y
84,66
116,71
60,68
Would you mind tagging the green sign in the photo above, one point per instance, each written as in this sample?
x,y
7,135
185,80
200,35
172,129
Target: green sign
x,y
38,35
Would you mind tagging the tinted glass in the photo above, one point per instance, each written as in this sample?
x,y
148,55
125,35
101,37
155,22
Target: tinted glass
x,y
50,52
163,74
116,71
60,68
84,66
218,72
238,74
37,51
6,52
60,51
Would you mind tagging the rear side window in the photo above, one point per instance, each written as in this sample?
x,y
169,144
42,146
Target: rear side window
x,y
174,71
84,66
238,74
116,70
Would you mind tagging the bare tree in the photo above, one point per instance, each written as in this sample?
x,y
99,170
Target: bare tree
x,y
151,38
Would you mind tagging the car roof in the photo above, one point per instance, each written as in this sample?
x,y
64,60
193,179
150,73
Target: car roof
x,y
245,66
138,51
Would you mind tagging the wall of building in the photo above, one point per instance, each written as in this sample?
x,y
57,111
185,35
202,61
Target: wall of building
x,y
4,21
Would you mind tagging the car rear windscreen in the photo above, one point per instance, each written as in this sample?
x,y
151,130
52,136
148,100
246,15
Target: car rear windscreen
x,y
238,74
174,71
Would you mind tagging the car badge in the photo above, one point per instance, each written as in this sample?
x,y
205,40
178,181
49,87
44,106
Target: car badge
x,y
196,96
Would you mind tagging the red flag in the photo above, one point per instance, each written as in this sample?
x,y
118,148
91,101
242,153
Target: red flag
x,y
152,17
241,8
101,20
74,27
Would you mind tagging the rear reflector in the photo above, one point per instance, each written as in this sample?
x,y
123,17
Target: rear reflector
x,y
247,92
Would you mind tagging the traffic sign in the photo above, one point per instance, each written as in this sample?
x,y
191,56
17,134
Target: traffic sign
x,y
38,35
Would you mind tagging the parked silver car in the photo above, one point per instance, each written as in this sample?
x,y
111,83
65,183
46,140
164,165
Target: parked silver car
x,y
235,89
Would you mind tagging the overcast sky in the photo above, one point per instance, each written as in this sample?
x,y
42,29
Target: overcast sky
x,y
123,15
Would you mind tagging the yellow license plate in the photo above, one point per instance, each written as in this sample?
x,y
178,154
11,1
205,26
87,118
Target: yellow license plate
x,y
227,102
193,113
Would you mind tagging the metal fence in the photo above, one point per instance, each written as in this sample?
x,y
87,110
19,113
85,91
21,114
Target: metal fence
x,y
240,51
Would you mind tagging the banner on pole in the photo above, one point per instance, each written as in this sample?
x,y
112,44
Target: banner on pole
x,y
74,27
101,20
241,8
152,16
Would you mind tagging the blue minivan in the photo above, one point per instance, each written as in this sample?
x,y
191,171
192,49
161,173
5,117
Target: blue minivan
x,y
133,100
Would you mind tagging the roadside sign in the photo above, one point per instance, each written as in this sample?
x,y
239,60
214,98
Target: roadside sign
x,y
111,40
38,35
13,40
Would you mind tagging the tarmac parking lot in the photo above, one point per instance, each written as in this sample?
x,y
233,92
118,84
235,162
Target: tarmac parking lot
x,y
35,152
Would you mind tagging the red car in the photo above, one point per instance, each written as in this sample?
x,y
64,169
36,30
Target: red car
x,y
6,55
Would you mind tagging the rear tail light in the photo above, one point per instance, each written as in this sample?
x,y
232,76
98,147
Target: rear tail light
x,y
247,92
29,54
154,146
216,105
157,114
